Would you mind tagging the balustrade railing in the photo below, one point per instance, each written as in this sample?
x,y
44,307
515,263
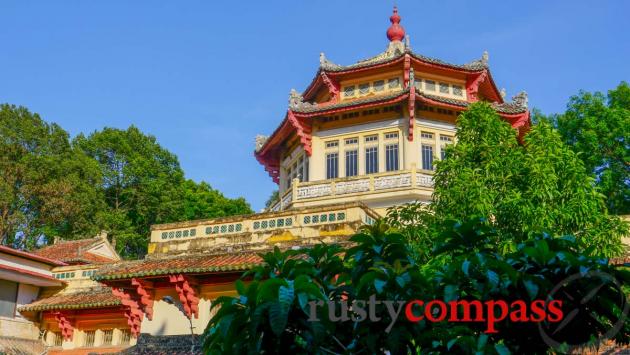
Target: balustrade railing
x,y
393,180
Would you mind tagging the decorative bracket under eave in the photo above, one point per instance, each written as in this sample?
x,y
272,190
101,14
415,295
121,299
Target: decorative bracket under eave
x,y
303,131
472,85
333,87
185,287
407,68
66,327
133,312
145,291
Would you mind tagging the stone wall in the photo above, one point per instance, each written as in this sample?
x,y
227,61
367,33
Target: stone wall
x,y
169,344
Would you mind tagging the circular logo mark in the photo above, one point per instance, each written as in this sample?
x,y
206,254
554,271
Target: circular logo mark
x,y
582,295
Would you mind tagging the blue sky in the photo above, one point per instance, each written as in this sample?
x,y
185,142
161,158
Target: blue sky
x,y
205,77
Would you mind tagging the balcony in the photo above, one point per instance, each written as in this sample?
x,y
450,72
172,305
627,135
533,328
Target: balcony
x,y
412,184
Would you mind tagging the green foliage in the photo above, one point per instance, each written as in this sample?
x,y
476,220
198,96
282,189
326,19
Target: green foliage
x,y
273,199
478,270
202,201
47,188
121,181
424,252
271,313
597,127
539,185
143,184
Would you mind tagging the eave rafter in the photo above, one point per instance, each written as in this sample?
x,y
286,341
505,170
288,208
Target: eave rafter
x,y
187,292
519,121
334,110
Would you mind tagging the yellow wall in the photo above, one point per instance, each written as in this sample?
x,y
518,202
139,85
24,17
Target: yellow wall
x,y
452,83
371,83
251,237
169,320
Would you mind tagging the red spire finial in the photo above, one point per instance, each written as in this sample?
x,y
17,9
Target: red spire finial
x,y
395,32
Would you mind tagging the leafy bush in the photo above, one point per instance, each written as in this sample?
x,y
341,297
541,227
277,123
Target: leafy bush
x,y
272,313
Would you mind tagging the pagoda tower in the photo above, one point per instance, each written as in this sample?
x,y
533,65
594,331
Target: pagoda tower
x,y
360,138
372,131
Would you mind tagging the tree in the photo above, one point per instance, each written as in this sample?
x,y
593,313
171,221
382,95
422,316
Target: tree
x,y
47,188
597,127
141,182
523,188
273,199
202,201
273,313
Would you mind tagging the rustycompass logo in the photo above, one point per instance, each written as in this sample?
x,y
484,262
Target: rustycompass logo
x,y
583,295
489,312
572,305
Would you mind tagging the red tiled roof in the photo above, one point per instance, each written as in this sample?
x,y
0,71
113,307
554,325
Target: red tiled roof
x,y
98,297
73,251
90,258
30,256
196,263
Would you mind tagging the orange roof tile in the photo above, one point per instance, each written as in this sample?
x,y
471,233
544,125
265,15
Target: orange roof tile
x,y
73,251
196,263
97,297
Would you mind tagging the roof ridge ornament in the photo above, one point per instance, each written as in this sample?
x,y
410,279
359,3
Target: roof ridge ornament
x,y
395,32
407,43
324,63
261,139
520,99
296,101
483,61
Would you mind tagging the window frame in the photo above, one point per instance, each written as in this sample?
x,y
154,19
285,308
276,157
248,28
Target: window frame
x,y
329,171
371,159
392,152
349,91
390,135
104,336
431,148
86,337
124,337
352,156
391,81
12,304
